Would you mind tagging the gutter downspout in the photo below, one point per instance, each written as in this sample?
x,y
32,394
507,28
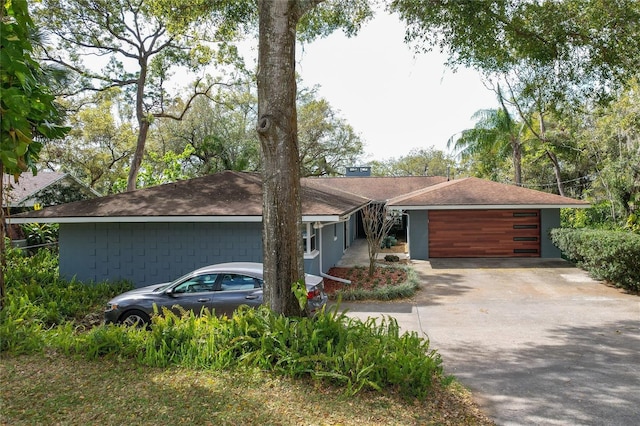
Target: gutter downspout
x,y
319,227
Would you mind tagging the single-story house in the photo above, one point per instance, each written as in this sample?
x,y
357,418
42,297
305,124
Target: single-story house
x,y
156,234
467,217
45,188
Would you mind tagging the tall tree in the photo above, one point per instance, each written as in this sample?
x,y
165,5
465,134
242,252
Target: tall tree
x,y
591,43
98,149
278,25
328,144
559,53
418,162
277,129
29,114
495,132
141,53
220,131
612,141
278,133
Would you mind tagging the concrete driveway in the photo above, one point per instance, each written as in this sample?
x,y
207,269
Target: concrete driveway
x,y
537,341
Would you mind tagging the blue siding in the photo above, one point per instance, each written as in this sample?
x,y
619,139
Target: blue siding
x,y
418,234
332,237
353,228
549,219
332,244
149,253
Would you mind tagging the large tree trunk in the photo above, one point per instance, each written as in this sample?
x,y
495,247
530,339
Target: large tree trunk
x,y
136,162
143,127
556,170
517,161
277,130
552,156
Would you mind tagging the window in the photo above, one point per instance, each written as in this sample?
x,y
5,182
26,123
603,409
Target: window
x,y
525,214
309,239
197,284
236,282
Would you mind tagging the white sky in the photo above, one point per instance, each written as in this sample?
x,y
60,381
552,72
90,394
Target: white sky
x,y
395,99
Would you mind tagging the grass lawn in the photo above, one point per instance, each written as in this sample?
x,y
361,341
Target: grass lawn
x,y
55,389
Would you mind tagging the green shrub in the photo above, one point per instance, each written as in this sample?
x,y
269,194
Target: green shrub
x,y
38,300
392,258
39,234
596,217
613,256
36,277
21,326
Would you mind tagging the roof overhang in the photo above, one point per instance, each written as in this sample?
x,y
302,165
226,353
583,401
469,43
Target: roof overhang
x,y
165,219
493,207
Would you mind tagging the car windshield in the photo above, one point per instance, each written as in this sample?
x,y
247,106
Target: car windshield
x,y
176,281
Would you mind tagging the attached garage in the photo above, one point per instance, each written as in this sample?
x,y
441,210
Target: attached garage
x,y
484,233
473,217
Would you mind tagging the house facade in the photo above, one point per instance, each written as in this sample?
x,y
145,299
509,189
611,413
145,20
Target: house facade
x,y
45,189
157,234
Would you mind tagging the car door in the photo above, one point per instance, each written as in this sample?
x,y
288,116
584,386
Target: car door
x,y
193,294
233,290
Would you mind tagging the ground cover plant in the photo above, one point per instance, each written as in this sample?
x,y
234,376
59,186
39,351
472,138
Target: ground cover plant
x,y
209,369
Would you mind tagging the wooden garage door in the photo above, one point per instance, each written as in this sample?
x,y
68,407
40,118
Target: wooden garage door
x,y
484,233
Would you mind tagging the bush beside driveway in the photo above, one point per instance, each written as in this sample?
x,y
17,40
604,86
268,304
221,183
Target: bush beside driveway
x,y
536,340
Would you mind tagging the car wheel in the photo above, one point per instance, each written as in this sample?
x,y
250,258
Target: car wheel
x,y
135,318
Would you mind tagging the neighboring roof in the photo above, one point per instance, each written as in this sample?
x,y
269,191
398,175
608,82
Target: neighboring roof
x,y
379,188
25,191
473,193
227,196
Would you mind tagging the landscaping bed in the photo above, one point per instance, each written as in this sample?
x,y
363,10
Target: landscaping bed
x,y
387,282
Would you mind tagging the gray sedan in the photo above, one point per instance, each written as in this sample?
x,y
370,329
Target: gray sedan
x,y
219,288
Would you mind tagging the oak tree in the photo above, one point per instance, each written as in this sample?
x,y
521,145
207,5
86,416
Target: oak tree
x,y
126,44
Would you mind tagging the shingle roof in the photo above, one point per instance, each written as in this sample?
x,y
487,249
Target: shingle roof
x,y
479,192
223,194
379,188
28,185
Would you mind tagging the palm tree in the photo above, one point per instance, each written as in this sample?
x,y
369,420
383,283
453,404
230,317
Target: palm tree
x,y
495,133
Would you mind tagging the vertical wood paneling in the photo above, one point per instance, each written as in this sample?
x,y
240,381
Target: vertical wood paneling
x,y
484,233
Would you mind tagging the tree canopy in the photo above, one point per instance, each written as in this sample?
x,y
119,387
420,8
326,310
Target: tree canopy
x,y
140,56
588,41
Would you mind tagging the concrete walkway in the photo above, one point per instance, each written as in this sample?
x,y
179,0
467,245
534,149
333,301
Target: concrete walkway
x,y
537,341
358,254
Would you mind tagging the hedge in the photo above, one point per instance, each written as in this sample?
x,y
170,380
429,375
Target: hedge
x,y
613,256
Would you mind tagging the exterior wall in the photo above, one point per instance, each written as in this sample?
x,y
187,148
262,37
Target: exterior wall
x,y
418,234
353,228
332,246
549,219
150,253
